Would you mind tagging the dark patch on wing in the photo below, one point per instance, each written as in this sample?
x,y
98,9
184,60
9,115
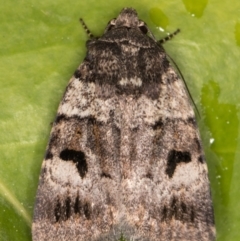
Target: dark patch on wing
x,y
52,142
184,207
173,210
178,210
57,211
158,125
201,159
63,117
149,175
106,175
62,212
192,214
77,74
48,155
192,121
198,144
77,157
165,64
77,205
60,117
67,208
174,158
81,208
87,210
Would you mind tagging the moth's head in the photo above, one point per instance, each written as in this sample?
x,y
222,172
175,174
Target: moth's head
x,y
128,18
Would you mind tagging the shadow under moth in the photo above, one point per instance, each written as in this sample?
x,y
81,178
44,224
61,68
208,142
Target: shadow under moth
x,y
125,158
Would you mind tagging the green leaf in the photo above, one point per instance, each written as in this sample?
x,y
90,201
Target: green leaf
x,y
42,43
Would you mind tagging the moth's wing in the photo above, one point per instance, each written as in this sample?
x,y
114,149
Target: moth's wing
x,y
165,185
78,192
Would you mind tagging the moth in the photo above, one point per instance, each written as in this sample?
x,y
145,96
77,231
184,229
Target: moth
x,y
125,159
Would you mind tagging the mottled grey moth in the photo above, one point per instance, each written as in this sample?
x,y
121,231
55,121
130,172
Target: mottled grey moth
x,y
125,156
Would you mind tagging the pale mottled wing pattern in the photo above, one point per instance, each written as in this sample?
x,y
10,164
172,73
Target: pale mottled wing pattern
x,y
125,156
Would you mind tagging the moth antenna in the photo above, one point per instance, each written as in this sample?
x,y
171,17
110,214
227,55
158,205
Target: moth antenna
x,y
90,35
170,36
